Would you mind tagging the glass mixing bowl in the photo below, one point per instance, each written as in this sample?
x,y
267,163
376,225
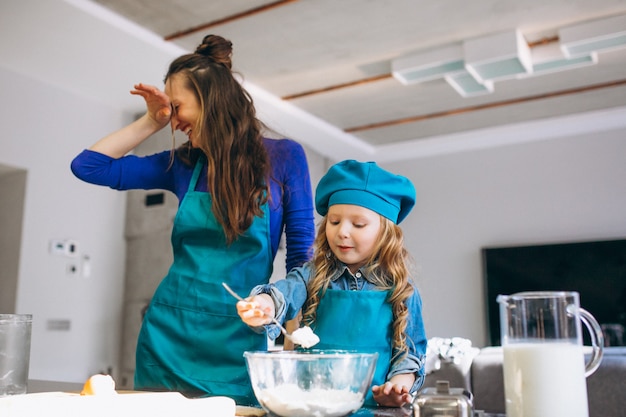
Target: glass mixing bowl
x,y
313,383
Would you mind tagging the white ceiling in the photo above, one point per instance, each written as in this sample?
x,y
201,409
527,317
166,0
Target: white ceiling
x,y
347,46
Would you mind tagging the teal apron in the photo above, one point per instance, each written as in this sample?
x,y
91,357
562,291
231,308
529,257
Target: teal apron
x,y
192,339
357,320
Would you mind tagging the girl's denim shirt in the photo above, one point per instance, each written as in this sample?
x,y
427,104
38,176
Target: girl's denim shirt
x,y
289,295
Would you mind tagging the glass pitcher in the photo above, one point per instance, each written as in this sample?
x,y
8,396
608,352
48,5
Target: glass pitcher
x,y
544,363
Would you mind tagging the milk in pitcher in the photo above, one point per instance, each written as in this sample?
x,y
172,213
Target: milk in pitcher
x,y
560,367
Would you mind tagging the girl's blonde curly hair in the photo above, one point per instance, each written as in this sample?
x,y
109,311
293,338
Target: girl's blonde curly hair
x,y
388,267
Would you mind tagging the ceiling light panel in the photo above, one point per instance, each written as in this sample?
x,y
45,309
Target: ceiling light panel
x,y
428,65
497,57
596,35
466,85
472,66
564,64
550,58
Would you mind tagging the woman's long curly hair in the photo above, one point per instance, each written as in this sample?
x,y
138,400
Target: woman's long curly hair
x,y
388,267
229,135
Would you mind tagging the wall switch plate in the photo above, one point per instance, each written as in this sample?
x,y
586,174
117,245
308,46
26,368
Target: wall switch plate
x,y
64,247
57,247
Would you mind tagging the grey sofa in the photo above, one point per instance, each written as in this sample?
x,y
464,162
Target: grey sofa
x,y
481,374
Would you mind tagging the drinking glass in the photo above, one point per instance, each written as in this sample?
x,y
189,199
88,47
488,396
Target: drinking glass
x,y
15,333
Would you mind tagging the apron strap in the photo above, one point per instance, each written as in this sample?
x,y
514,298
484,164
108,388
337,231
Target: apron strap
x,y
194,177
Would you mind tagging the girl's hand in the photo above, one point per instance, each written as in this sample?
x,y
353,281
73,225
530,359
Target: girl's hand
x,y
159,107
391,395
257,310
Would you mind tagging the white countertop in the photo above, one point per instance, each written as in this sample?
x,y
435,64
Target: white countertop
x,y
37,385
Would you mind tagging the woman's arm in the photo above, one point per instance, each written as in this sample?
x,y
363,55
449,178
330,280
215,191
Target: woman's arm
x,y
297,201
130,171
158,113
106,162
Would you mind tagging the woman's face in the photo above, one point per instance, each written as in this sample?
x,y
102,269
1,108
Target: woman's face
x,y
352,233
186,109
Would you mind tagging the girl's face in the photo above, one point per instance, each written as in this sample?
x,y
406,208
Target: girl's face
x,y
352,233
186,108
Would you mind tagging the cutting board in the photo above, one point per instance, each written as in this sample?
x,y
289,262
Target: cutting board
x,y
135,404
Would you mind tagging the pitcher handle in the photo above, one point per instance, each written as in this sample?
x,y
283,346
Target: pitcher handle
x,y
597,341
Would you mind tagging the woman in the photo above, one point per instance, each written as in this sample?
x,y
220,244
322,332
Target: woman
x,y
237,193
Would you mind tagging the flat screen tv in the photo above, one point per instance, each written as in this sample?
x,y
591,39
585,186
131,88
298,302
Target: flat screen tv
x,y
597,270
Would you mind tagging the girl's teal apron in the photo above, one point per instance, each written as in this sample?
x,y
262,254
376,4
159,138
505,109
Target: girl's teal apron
x,y
192,339
360,321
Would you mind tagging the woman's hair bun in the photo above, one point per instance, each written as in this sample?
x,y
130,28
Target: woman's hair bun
x,y
217,48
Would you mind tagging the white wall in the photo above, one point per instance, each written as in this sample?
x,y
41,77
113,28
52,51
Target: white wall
x,y
570,188
49,114
560,190
44,128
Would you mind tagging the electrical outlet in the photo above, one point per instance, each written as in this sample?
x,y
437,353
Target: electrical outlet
x,y
72,248
72,269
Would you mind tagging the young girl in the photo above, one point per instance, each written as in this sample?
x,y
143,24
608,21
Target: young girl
x,y
356,293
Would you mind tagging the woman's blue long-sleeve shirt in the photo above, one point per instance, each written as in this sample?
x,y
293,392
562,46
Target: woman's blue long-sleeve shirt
x,y
291,203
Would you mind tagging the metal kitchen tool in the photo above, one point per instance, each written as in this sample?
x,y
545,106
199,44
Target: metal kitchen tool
x,y
443,401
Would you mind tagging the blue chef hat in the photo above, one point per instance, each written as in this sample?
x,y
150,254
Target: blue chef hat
x,y
367,185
